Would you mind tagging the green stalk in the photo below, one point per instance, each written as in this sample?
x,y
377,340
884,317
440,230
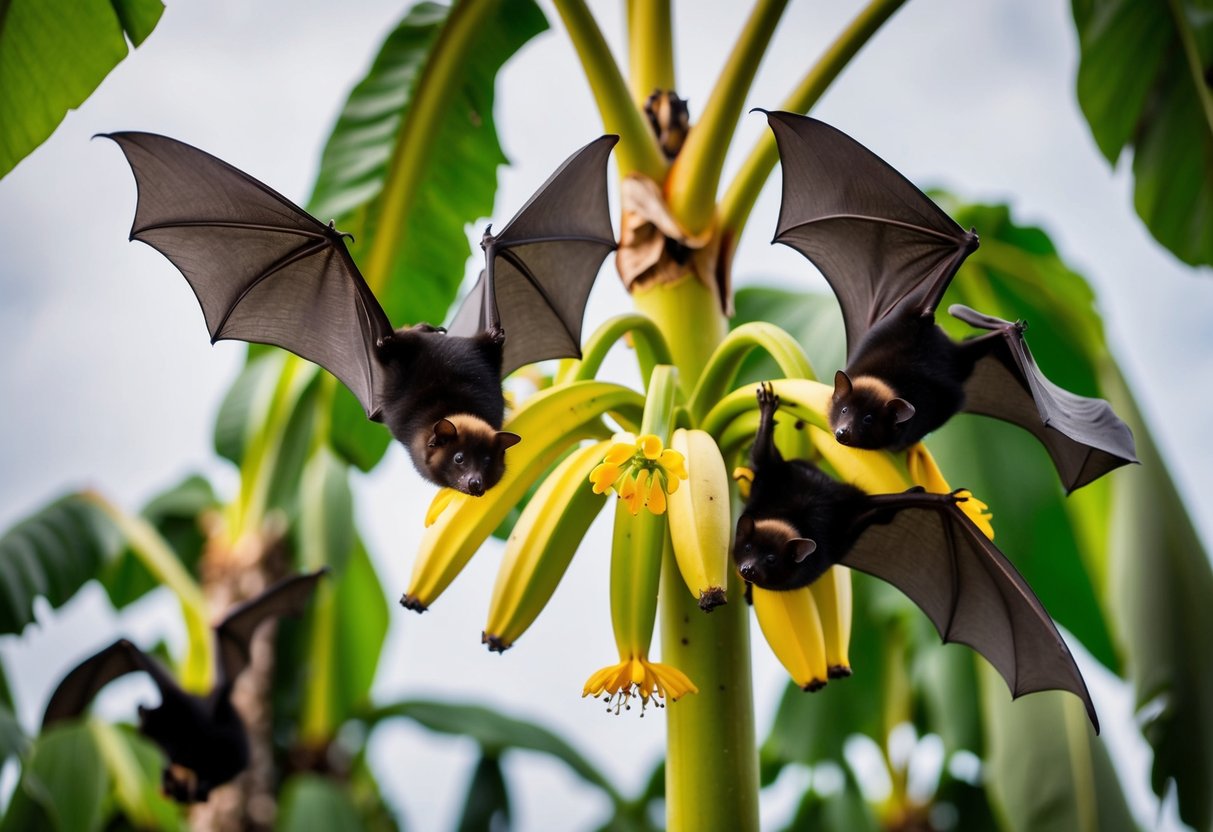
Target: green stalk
x,y
717,377
1187,38
739,199
712,759
688,313
650,48
696,174
154,552
438,84
637,149
651,348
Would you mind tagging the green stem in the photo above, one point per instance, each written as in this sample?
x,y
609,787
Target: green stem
x,y
696,174
739,200
687,312
155,553
712,760
717,377
433,92
637,149
651,348
650,48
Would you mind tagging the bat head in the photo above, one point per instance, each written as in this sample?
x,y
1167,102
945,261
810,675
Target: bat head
x,y
467,454
866,413
771,554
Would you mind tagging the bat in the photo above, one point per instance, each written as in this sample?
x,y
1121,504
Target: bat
x,y
798,522
266,272
889,253
203,736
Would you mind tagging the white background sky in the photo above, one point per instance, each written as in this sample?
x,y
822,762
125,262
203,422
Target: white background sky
x,y
107,379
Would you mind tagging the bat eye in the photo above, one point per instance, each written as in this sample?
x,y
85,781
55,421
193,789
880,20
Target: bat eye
x,y
867,419
458,458
749,547
488,460
770,559
844,409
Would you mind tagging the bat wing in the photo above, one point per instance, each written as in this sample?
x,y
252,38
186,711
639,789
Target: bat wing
x,y
541,267
235,633
880,242
263,269
1084,436
86,679
932,552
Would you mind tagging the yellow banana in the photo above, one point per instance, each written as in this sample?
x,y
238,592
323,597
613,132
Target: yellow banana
x,y
700,519
832,595
541,545
550,422
792,627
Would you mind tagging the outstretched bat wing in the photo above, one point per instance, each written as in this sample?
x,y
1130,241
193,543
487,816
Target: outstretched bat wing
x,y
1085,438
262,268
880,242
85,680
932,552
541,266
234,633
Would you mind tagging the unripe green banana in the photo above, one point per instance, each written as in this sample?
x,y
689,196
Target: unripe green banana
x,y
700,520
541,545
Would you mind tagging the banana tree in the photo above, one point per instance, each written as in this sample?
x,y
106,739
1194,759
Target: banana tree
x,y
423,118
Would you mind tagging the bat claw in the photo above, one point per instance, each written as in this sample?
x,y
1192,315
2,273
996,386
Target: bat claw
x,y
767,398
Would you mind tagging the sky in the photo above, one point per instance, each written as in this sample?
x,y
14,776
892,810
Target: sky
x,y
109,381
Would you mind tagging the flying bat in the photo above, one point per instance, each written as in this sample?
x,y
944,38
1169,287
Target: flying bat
x,y
203,736
798,522
267,272
889,252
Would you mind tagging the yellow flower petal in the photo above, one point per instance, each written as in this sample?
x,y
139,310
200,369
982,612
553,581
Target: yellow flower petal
x,y
640,493
978,512
620,452
637,676
603,477
674,462
657,502
649,445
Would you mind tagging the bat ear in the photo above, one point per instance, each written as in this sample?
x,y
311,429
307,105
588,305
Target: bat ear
x,y
800,548
842,385
745,527
444,432
901,410
505,439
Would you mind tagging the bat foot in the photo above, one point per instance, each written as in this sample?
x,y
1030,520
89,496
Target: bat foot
x,y
496,335
768,401
410,603
711,598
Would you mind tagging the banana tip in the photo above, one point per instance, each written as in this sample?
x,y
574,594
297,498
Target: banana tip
x,y
409,602
496,644
838,671
711,598
814,685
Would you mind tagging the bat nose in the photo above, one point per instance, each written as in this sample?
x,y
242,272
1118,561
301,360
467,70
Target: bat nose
x,y
747,572
476,487
842,435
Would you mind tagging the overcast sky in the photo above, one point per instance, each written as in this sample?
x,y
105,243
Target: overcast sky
x,y
108,379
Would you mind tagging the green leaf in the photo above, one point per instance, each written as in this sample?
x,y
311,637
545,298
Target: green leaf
x,y
325,531
51,553
495,733
246,404
63,785
1160,104
487,805
312,802
845,809
13,742
1162,583
812,318
1046,768
53,54
176,514
412,160
135,767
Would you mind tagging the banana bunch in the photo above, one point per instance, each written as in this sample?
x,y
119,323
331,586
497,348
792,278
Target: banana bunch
x,y
542,544
700,522
552,421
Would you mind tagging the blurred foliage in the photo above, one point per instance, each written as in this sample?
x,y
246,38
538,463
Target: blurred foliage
x,y
1160,104
53,54
411,161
